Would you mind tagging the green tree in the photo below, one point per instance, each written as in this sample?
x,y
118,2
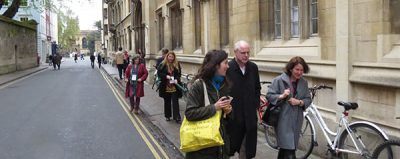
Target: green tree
x,y
68,30
97,24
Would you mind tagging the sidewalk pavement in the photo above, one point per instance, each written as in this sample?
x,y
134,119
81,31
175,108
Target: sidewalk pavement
x,y
153,107
6,78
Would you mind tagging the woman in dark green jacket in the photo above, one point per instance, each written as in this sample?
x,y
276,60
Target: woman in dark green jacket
x,y
212,72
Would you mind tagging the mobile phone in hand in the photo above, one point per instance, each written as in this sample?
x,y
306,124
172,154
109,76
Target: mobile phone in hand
x,y
227,98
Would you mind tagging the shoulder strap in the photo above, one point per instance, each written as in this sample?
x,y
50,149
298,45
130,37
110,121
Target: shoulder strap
x,y
206,100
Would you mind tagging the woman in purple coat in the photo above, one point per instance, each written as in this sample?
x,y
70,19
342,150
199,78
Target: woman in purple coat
x,y
135,75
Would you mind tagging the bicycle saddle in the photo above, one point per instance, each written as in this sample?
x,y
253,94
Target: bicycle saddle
x,y
348,105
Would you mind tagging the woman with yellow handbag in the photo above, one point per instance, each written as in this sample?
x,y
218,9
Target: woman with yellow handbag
x,y
211,77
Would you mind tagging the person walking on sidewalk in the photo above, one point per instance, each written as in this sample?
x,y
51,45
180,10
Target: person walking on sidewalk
x,y
169,72
126,60
246,99
99,59
135,75
164,51
119,59
142,56
76,57
212,72
92,58
290,92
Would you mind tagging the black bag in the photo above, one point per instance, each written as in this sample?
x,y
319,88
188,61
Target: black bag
x,y
271,115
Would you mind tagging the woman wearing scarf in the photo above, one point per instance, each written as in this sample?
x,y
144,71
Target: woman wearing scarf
x,y
212,72
135,75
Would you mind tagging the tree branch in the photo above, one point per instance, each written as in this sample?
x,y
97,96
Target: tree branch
x,y
13,9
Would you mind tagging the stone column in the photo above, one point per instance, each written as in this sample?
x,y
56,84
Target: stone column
x,y
343,60
206,25
245,22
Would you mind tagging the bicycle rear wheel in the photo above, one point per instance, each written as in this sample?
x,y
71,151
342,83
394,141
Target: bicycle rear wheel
x,y
389,149
270,136
366,137
306,140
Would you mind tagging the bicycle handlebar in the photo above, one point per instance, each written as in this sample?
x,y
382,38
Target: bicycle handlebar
x,y
322,86
265,82
186,76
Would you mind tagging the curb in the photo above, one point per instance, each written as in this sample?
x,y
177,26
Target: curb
x,y
23,75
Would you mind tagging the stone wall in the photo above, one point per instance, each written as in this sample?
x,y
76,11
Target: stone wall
x,y
17,46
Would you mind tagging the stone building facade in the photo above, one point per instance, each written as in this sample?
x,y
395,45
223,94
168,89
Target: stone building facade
x,y
352,45
81,43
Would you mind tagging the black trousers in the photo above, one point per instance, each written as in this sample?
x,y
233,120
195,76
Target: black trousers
x,y
171,98
135,102
120,68
92,64
286,154
99,63
56,64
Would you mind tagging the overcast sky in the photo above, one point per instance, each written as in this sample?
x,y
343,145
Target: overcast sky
x,y
88,12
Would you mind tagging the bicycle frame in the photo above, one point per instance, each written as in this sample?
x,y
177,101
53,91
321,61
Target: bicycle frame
x,y
313,112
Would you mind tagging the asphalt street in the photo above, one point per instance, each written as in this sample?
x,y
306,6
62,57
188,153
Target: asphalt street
x,y
69,113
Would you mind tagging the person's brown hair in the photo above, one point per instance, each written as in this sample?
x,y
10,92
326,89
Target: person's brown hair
x,y
212,59
293,62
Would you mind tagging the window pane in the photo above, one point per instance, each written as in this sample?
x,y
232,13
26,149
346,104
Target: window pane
x,y
294,18
295,15
294,3
277,4
277,16
295,29
314,17
314,26
278,31
313,11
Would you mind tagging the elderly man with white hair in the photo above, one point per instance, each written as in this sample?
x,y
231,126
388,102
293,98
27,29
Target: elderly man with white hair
x,y
246,93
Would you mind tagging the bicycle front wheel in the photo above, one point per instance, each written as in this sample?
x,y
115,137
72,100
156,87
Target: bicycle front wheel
x,y
366,137
306,140
389,149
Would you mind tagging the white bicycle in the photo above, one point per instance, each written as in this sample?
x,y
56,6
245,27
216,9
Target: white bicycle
x,y
349,140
